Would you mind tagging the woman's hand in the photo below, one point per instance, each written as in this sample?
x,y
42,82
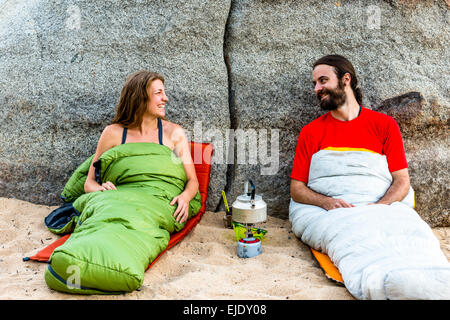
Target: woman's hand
x,y
108,185
92,186
182,212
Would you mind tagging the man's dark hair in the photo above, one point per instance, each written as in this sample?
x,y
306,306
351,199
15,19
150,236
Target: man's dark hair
x,y
342,66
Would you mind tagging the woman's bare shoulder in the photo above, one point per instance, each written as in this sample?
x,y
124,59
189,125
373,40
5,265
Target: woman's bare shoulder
x,y
170,125
113,130
172,129
174,132
111,136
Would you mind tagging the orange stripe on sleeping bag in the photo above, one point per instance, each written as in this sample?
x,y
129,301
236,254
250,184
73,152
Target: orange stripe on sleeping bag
x,y
44,254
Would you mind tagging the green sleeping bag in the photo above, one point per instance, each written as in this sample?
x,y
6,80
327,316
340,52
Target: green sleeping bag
x,y
117,233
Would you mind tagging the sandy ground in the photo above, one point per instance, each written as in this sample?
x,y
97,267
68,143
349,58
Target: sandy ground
x,y
203,266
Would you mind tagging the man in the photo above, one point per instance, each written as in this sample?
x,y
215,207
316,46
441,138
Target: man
x,y
347,125
345,161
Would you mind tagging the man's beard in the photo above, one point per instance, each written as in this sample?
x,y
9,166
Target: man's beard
x,y
336,97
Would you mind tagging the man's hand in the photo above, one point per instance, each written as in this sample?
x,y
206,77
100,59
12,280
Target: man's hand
x,y
332,203
301,193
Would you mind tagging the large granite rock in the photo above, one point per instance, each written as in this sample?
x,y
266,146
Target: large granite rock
x,y
425,125
396,48
63,64
234,69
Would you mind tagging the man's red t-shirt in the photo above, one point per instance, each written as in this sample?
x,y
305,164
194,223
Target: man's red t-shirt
x,y
370,131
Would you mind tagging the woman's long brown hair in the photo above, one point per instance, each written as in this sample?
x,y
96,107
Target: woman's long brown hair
x,y
134,98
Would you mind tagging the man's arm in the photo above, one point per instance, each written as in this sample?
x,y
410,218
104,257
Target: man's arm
x,y
398,189
301,193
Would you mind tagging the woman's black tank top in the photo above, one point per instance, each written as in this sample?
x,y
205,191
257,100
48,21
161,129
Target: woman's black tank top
x,y
160,133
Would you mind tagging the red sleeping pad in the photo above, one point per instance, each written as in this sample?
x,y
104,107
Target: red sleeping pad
x,y
201,155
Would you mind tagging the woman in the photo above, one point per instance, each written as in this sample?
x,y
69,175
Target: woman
x,y
139,118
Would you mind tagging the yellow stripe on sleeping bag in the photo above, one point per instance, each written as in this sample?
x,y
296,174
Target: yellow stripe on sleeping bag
x,y
349,149
330,270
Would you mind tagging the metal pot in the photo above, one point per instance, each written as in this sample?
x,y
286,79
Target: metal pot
x,y
249,208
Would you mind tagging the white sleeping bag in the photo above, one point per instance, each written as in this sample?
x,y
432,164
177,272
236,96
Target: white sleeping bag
x,y
382,251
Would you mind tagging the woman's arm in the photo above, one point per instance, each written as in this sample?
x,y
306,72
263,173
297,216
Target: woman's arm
x,y
108,139
182,150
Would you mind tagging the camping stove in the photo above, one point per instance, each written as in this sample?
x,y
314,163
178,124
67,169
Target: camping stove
x,y
249,246
249,209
